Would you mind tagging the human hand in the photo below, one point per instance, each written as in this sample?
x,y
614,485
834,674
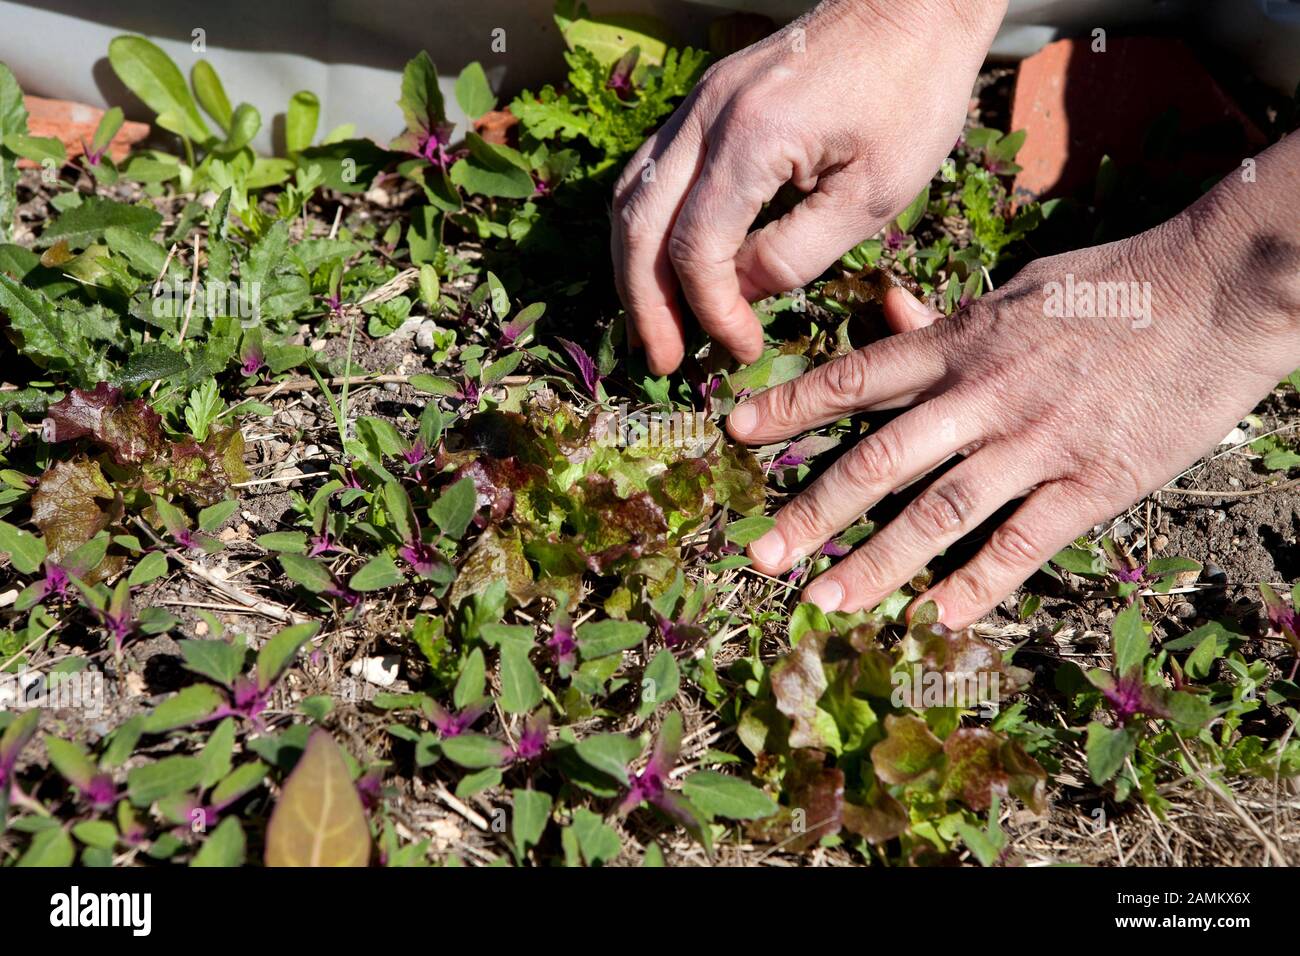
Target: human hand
x,y
856,103
1084,415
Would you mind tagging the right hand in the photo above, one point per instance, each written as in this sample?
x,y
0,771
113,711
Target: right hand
x,y
856,103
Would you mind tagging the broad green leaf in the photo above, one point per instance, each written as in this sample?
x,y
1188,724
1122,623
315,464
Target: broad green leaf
x,y
398,505
502,635
13,119
278,653
38,149
609,753
531,811
217,753
1108,748
1201,661
242,780
659,683
721,795
747,530
319,819
108,126
375,575
150,568
25,550
434,385
171,775
602,638
521,690
150,74
100,834
421,100
475,751
91,220
215,659
609,37
214,516
71,760
225,847
909,217
50,848
289,542
244,125
473,92
211,94
1079,561
43,335
492,171
187,707
597,840
455,507
1130,643
308,572
301,121
472,680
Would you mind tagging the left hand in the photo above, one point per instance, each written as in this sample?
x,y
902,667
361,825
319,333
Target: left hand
x,y
1082,415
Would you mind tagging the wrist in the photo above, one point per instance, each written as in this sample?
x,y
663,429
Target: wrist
x,y
934,20
1245,233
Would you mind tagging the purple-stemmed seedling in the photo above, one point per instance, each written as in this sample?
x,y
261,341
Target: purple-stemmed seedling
x,y
586,367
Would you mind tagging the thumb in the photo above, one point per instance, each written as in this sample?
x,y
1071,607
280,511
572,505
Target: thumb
x,y
904,312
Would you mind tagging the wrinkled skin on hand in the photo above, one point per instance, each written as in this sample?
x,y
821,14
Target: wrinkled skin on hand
x,y
1082,415
856,103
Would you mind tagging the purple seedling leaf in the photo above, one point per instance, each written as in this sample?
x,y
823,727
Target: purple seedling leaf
x,y
532,742
453,724
586,367
563,645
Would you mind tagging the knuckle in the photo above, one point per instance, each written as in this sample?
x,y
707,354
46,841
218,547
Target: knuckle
x,y
1121,475
631,217
783,404
866,571
768,261
684,247
848,375
805,517
877,458
1012,546
943,509
968,590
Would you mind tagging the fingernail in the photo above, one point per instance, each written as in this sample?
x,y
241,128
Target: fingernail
x,y
769,549
743,419
826,593
914,305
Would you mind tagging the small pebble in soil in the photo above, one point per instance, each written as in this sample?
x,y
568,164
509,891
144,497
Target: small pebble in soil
x,y
381,671
424,335
1213,574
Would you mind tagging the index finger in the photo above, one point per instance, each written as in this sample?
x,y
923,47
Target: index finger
x,y
710,231
649,193
890,373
